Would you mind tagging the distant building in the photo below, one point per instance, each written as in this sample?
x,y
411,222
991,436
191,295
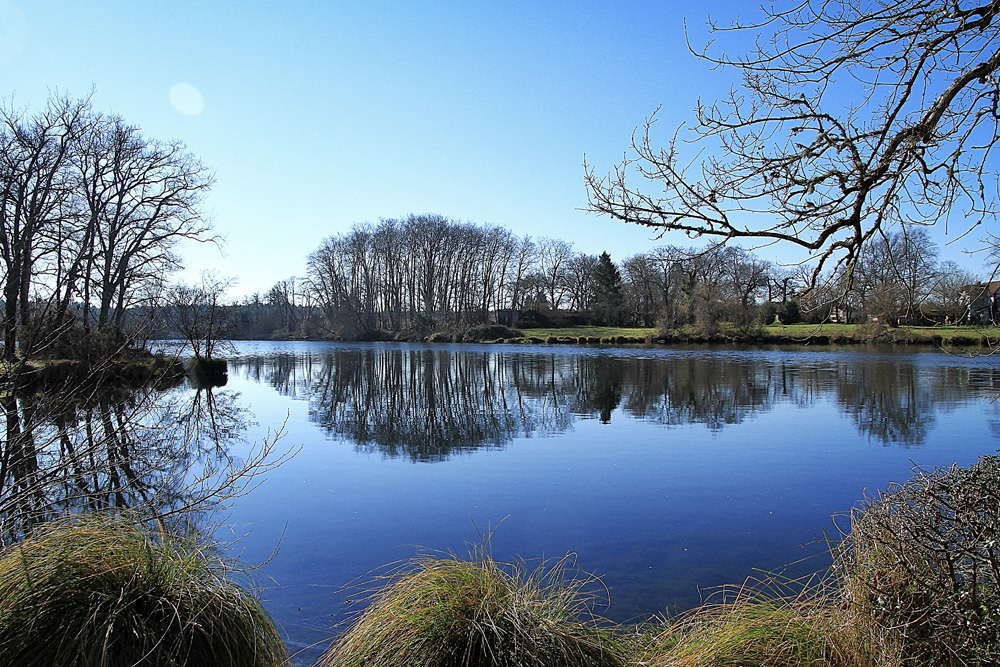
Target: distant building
x,y
518,318
933,313
984,303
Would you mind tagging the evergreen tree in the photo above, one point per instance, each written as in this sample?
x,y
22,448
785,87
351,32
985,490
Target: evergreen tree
x,y
607,290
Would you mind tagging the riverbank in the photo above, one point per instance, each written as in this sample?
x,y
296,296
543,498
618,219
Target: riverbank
x,y
137,369
778,334
965,337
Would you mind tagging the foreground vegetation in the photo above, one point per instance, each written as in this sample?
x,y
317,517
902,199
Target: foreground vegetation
x,y
106,591
915,582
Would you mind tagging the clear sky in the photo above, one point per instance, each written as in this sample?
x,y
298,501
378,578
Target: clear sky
x,y
317,115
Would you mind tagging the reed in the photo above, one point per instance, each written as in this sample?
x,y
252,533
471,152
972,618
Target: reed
x,y
447,612
109,591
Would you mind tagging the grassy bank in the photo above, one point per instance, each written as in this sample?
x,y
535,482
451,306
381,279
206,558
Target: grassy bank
x,y
811,334
134,371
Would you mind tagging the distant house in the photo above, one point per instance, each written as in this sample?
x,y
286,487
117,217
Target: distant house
x,y
984,302
518,318
933,313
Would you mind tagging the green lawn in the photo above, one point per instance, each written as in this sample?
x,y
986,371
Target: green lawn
x,y
596,332
795,331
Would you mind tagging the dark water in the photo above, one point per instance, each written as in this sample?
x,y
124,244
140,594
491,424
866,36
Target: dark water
x,y
667,472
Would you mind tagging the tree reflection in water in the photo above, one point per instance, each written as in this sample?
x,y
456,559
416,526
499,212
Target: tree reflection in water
x,y
162,453
428,403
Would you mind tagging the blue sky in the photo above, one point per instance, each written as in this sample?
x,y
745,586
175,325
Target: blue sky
x,y
318,115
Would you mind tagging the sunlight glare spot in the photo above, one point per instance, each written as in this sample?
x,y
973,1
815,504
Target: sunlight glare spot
x,y
187,99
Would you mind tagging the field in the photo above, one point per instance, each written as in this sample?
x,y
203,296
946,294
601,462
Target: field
x,y
959,335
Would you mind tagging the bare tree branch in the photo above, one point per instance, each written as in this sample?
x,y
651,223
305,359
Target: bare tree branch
x,y
849,118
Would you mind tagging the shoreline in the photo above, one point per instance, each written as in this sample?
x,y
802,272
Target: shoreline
x,y
895,337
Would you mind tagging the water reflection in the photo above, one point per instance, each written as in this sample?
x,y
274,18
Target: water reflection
x,y
164,453
428,403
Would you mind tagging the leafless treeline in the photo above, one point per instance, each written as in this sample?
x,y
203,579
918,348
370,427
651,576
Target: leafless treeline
x,y
422,270
90,212
426,271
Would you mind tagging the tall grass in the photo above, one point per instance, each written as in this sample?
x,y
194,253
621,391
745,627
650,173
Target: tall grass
x,y
446,612
107,591
752,625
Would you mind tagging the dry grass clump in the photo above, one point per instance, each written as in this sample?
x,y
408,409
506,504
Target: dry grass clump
x,y
752,627
106,591
446,612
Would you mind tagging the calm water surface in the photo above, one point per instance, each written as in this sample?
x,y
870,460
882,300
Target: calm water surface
x,y
666,471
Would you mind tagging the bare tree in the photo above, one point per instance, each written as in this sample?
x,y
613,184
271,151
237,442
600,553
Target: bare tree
x,y
579,274
553,255
200,315
850,118
525,257
141,197
33,191
893,275
952,291
641,294
747,278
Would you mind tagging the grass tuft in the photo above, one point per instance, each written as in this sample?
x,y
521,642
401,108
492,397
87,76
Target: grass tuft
x,y
752,628
446,612
106,591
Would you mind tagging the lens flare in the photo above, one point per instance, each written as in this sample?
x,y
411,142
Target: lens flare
x,y
187,99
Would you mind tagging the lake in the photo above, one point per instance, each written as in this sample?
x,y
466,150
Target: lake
x,y
667,472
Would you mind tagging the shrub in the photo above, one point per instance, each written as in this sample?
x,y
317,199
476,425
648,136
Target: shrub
x,y
921,567
961,340
102,592
423,322
871,331
446,612
790,313
767,312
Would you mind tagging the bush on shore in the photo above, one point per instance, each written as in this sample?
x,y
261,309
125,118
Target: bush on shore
x,y
921,567
107,591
